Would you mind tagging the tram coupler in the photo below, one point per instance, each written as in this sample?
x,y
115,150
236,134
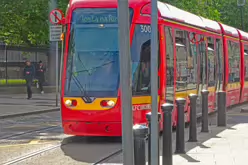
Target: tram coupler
x,y
193,120
221,109
204,118
180,144
167,134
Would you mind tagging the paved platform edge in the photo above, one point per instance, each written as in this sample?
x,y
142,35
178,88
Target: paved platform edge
x,y
30,113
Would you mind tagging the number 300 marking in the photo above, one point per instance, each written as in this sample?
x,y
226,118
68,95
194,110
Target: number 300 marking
x,y
145,29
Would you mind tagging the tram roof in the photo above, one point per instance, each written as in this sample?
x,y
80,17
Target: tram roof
x,y
174,13
230,31
243,35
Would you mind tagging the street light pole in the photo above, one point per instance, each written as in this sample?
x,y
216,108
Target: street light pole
x,y
52,4
125,83
242,17
241,4
154,84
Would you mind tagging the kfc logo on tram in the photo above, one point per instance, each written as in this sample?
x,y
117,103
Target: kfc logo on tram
x,y
141,107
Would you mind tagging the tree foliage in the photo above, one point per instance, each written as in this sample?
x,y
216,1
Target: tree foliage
x,y
25,22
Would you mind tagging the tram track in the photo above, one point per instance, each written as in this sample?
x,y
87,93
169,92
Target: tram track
x,y
26,133
29,155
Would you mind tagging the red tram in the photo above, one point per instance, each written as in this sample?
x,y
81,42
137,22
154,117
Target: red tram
x,y
194,54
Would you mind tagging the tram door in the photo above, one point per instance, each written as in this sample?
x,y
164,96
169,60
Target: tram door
x,y
169,65
202,70
181,63
220,66
211,72
186,67
220,62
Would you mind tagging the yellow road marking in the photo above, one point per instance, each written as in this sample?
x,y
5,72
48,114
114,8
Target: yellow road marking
x,y
32,142
35,141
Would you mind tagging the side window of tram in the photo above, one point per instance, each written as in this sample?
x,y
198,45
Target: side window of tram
x,y
246,61
234,61
169,65
181,60
211,63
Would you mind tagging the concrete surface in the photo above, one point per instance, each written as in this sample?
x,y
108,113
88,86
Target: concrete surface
x,y
221,146
15,105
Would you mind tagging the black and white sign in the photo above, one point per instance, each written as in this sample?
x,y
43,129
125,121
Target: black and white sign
x,y
55,32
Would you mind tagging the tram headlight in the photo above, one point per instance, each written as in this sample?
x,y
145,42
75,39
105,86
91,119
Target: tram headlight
x,y
68,102
71,103
107,103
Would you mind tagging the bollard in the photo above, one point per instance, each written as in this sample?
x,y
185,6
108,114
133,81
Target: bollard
x,y
148,117
180,144
221,109
192,124
204,110
167,133
140,134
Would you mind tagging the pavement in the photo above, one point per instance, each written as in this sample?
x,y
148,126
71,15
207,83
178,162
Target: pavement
x,y
18,104
221,146
22,89
40,140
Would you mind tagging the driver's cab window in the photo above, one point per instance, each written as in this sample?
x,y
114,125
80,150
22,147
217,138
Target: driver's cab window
x,y
141,60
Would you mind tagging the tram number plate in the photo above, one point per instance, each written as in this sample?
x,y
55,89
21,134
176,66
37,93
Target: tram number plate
x,y
145,28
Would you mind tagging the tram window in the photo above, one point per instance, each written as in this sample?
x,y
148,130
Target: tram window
x,y
141,61
234,61
211,62
181,59
221,69
246,61
169,65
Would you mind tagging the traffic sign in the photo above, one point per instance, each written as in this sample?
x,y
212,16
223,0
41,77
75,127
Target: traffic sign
x,y
55,32
56,16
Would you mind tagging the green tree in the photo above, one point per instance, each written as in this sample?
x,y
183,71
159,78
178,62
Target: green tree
x,y
25,22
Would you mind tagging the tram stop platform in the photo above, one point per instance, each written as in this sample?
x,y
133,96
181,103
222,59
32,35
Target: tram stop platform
x,y
12,105
221,146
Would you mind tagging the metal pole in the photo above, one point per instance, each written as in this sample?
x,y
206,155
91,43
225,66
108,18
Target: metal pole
x,y
51,58
154,84
204,94
180,143
140,134
221,108
148,117
242,17
6,64
125,83
167,133
192,127
57,72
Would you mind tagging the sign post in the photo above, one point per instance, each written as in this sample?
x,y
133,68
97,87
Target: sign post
x,y
126,83
154,84
55,34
